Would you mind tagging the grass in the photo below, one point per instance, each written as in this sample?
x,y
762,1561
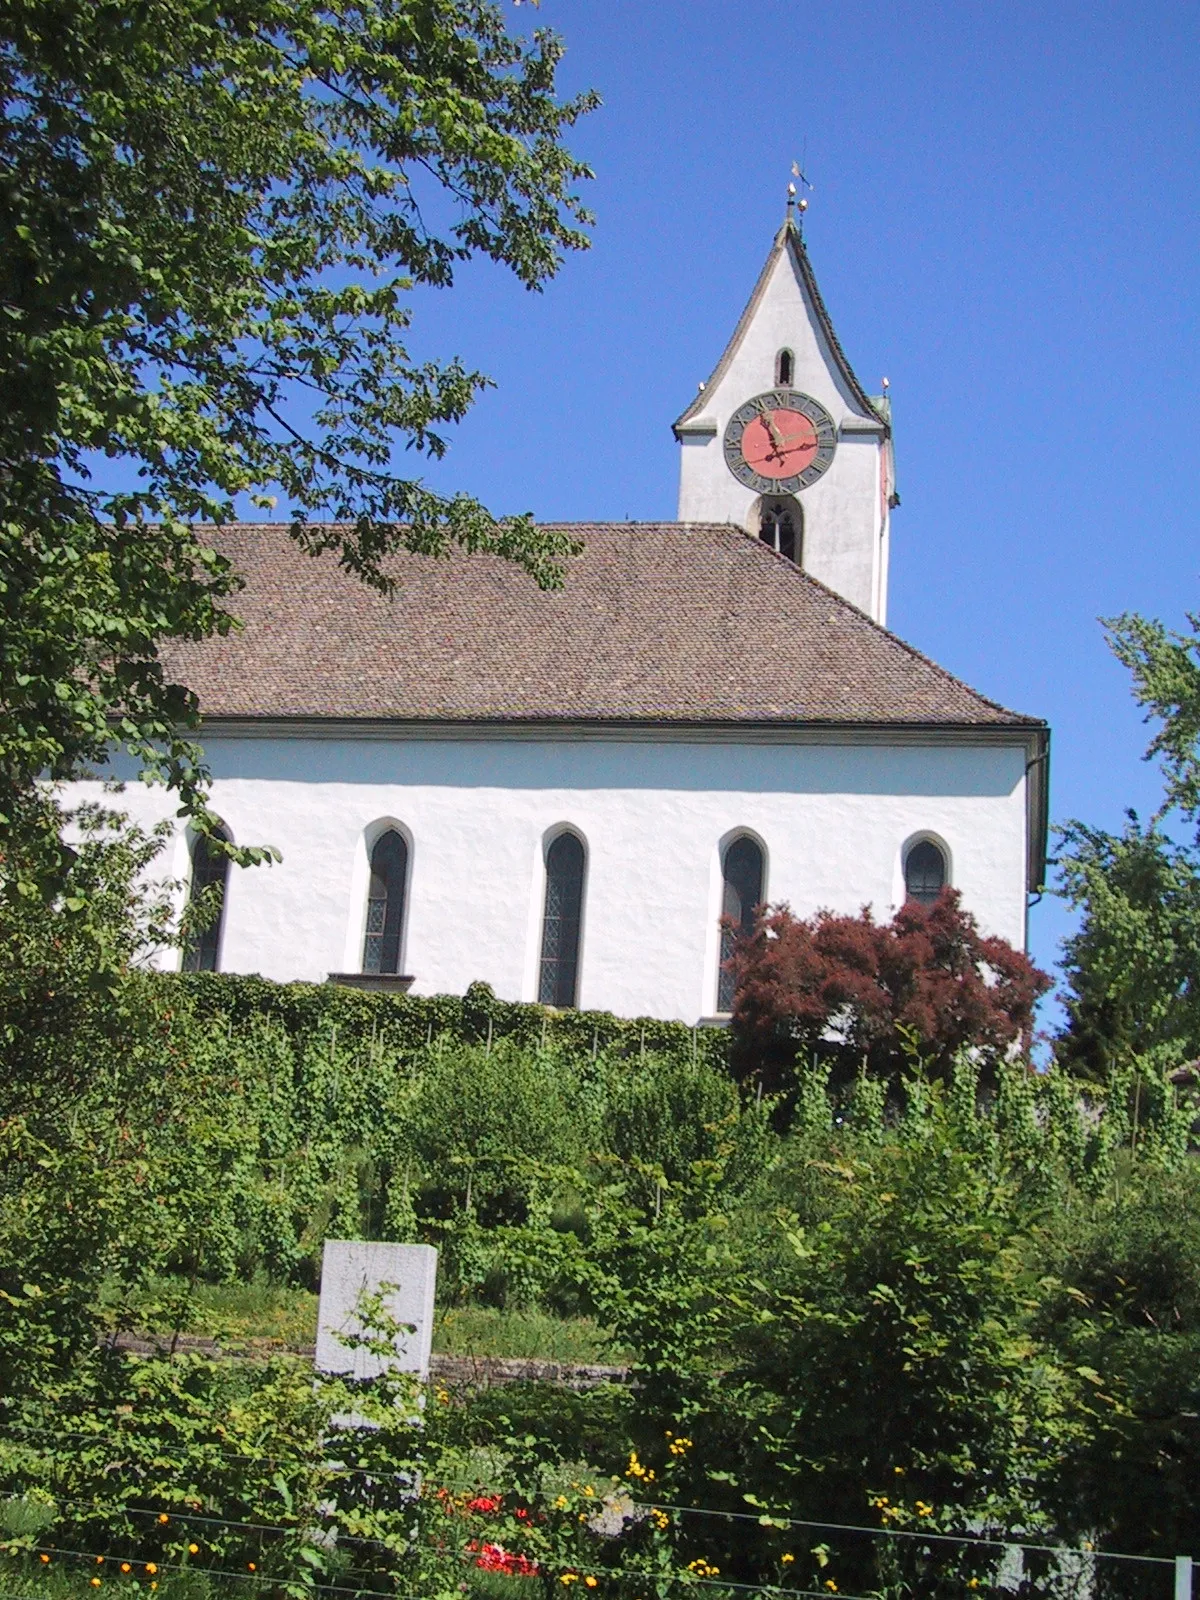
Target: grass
x,y
532,1335
259,1310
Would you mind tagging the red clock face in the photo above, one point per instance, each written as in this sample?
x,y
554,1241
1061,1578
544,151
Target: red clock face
x,y
781,441
779,444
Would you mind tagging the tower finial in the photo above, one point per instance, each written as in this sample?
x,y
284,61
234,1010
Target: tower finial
x,y
800,206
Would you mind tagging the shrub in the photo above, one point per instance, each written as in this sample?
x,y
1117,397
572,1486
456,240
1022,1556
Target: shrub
x,y
858,990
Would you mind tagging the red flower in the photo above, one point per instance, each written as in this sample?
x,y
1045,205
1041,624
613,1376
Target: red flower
x,y
484,1502
495,1558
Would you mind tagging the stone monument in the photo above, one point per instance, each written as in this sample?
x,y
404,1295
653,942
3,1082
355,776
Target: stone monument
x,y
404,1276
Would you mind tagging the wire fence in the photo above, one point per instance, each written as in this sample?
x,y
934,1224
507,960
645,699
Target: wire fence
x,y
851,1561
933,1563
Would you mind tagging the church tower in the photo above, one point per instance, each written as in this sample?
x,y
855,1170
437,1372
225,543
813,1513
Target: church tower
x,y
784,441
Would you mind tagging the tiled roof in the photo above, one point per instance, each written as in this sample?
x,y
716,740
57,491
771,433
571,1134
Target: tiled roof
x,y
678,622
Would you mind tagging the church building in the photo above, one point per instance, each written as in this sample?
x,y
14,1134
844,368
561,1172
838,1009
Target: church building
x,y
563,793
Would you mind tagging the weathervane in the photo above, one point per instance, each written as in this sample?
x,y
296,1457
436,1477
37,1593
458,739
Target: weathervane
x,y
800,205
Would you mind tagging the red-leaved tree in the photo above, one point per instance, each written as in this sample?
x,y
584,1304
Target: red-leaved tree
x,y
845,986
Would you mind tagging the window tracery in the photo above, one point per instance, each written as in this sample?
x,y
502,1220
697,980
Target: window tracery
x,y
924,872
558,978
385,903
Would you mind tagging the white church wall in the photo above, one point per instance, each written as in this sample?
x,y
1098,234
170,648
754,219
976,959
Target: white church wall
x,y
478,814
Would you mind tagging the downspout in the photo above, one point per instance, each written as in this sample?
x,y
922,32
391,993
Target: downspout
x,y
1037,811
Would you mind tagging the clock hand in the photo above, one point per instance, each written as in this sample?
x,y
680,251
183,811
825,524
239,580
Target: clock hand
x,y
772,428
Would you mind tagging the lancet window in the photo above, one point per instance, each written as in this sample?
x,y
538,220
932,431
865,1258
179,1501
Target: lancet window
x,y
210,870
558,979
742,875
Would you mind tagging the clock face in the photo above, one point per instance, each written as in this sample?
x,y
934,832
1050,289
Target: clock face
x,y
779,442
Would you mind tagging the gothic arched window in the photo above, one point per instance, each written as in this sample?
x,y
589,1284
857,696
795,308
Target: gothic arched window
x,y
742,876
559,976
210,870
924,872
780,524
385,903
785,364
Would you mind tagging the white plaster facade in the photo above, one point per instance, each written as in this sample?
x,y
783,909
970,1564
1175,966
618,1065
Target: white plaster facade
x,y
833,812
846,512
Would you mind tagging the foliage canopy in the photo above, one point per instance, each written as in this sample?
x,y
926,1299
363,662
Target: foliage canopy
x,y
211,217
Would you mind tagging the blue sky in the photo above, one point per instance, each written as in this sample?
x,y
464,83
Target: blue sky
x,y
1004,221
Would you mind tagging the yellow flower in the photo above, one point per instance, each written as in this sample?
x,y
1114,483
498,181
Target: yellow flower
x,y
151,1568
972,1583
250,1567
163,1517
561,1503
830,1585
193,1549
899,1471
786,1557
44,1558
569,1578
99,1561
124,1566
924,1510
95,1583
591,1582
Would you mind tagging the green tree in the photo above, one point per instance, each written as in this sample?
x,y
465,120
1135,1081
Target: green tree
x,y
1133,966
212,213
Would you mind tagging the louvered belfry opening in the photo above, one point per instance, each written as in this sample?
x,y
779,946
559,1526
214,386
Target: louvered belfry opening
x,y
558,981
209,869
385,904
742,871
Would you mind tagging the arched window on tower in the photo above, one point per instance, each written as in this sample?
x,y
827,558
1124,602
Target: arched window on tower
x,y
742,876
385,904
558,980
210,870
924,872
785,364
780,525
